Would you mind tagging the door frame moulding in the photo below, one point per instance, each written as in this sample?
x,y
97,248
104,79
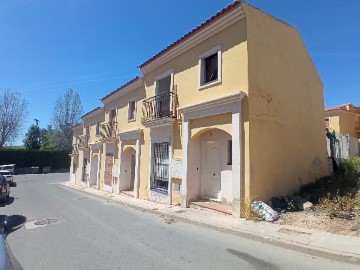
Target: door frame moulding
x,y
229,103
125,136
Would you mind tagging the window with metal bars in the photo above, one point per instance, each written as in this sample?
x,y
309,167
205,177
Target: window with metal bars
x,y
160,166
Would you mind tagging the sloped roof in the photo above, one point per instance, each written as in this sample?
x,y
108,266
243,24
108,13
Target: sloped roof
x,y
77,125
344,107
94,110
193,31
120,88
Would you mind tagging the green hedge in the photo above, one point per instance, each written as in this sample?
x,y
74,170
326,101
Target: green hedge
x,y
27,158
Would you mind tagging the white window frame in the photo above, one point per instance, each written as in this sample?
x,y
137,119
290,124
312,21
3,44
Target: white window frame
x,y
135,110
163,75
204,55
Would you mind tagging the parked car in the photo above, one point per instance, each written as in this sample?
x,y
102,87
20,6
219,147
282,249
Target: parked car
x,y
4,189
9,224
9,167
8,175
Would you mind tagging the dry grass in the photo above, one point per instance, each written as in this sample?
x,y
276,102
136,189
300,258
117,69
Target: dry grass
x,y
338,193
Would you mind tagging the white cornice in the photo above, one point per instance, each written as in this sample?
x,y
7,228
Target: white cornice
x,y
133,86
130,135
215,27
212,103
160,122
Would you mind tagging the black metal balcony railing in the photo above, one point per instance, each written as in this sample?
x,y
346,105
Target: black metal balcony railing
x,y
159,106
109,130
83,141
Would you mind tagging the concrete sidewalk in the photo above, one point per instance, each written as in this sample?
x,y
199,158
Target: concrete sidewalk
x,y
314,242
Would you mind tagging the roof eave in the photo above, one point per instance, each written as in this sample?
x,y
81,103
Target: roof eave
x,y
138,82
190,40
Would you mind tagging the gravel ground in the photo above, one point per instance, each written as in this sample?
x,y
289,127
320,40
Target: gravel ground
x,y
315,219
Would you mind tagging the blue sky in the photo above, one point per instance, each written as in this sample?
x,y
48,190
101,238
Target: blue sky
x,y
47,46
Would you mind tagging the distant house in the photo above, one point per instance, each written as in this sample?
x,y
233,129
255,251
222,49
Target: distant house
x,y
231,110
344,119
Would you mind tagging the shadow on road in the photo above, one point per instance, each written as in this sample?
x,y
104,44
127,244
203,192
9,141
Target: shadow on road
x,y
252,260
8,201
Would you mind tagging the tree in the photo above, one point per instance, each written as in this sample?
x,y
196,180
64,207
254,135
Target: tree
x,y
13,110
32,138
67,113
48,139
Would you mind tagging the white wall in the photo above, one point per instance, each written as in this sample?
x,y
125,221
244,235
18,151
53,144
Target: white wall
x,y
194,169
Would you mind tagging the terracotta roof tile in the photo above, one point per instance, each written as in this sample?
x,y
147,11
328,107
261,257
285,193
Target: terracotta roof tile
x,y
121,87
344,107
192,32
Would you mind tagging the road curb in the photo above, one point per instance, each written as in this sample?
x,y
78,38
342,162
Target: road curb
x,y
299,247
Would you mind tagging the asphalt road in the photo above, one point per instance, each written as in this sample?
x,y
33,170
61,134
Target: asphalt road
x,y
92,233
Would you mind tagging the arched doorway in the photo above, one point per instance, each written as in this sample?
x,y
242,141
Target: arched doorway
x,y
128,166
210,165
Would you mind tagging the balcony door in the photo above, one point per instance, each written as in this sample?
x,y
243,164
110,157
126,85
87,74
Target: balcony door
x,y
163,88
112,123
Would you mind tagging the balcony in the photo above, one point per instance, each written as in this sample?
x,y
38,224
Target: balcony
x,y
83,141
75,150
159,110
108,131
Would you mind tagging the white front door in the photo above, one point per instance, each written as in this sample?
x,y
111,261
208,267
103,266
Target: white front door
x,y
213,170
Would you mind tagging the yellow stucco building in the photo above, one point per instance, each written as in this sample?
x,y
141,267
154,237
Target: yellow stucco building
x,y
344,119
232,109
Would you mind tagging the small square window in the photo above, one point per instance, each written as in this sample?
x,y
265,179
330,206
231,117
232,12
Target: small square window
x,y
210,67
132,110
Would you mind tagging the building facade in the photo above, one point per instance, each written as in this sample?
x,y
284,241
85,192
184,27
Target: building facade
x,y
344,119
233,109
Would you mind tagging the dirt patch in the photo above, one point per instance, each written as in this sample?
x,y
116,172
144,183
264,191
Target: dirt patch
x,y
316,219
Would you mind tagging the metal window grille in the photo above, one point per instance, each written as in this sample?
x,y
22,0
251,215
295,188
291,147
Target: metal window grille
x,y
160,166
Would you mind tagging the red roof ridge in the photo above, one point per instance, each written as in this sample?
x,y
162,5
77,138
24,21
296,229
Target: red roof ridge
x,y
193,31
121,88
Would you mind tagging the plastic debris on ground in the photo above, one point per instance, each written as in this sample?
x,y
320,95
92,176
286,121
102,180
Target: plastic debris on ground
x,y
264,211
279,204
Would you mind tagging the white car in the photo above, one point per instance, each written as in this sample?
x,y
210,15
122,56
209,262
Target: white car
x,y
8,167
9,176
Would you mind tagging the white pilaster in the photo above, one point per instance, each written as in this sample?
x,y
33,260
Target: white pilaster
x,y
236,162
137,169
120,150
98,171
184,185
